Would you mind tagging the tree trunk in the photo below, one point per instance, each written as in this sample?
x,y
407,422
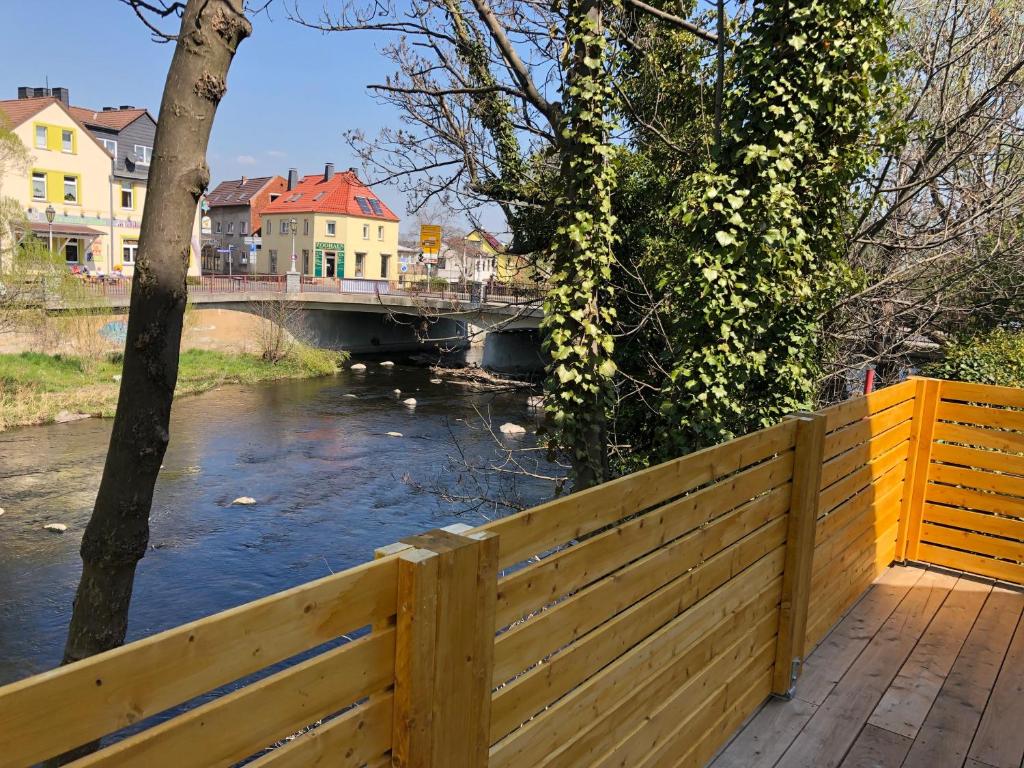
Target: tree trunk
x,y
118,531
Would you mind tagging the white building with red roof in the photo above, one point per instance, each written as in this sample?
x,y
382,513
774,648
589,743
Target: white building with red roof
x,y
338,225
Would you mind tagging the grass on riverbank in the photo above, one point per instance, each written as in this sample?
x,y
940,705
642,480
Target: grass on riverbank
x,y
34,387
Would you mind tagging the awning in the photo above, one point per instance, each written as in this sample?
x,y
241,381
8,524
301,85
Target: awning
x,y
64,230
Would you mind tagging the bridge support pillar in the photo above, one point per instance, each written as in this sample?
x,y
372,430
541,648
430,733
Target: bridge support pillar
x,y
292,282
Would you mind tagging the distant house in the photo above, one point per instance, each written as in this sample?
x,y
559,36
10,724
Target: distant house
x,y
506,267
341,229
235,210
466,259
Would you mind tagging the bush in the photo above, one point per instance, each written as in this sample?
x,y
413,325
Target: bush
x,y
315,361
993,358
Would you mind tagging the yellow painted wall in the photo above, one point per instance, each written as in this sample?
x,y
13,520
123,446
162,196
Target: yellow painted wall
x,y
348,232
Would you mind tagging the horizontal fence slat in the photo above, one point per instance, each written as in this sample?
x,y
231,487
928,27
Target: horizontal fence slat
x,y
979,500
112,690
972,478
848,437
842,465
532,587
532,691
983,393
573,729
1000,418
879,493
1007,527
978,458
837,493
542,528
971,541
235,726
966,561
856,408
348,741
1010,442
527,643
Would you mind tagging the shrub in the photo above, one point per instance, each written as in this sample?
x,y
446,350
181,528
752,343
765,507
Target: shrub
x,y
315,361
993,358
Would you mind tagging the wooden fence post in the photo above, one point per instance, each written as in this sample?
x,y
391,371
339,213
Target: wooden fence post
x,y
443,697
919,456
796,578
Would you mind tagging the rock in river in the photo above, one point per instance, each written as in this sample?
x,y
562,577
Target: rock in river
x,y
357,367
55,527
411,402
386,364
394,434
244,500
65,416
436,381
508,428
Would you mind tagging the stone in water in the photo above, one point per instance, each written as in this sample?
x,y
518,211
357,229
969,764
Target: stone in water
x,y
411,401
358,367
508,428
244,500
55,527
387,364
394,434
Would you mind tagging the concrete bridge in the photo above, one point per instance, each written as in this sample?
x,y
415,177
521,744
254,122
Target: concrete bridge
x,y
379,316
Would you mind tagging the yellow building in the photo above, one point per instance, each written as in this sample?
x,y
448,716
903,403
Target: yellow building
x,y
507,267
342,229
74,173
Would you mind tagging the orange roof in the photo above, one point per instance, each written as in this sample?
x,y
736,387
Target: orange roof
x,y
115,119
342,195
20,110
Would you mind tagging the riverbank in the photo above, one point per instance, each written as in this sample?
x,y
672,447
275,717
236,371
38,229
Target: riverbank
x,y
37,388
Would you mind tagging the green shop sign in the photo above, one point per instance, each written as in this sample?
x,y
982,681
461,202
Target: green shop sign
x,y
320,262
339,247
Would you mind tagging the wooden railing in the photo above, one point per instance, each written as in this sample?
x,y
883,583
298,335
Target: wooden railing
x,y
633,624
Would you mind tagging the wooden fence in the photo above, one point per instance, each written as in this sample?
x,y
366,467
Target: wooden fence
x,y
636,624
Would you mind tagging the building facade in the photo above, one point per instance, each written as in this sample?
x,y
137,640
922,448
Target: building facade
x,y
91,168
341,229
235,208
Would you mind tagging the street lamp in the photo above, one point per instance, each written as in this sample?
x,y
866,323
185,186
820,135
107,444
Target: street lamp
x,y
294,227
51,214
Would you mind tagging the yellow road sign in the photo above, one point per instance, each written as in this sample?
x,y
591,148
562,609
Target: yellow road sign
x,y
430,239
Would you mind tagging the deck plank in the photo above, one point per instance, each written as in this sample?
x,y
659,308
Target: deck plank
x,y
946,735
877,748
999,741
768,734
906,703
833,657
831,731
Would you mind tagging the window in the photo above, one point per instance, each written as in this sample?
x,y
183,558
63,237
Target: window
x,y
231,227
143,154
127,195
385,260
330,229
380,233
273,261
364,206
111,146
360,263
70,189
71,252
268,226
366,231
218,227
284,227
375,207
318,196
274,196
67,141
305,226
41,137
243,227
305,261
38,186
129,249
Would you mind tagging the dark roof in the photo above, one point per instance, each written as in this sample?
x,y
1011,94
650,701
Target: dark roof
x,y
344,194
115,119
237,191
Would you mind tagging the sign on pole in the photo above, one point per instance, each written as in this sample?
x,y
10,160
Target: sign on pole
x,y
430,239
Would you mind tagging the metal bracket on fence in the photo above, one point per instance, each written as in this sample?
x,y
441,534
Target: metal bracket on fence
x,y
794,674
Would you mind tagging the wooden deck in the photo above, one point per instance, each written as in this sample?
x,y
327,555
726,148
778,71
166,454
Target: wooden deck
x,y
925,671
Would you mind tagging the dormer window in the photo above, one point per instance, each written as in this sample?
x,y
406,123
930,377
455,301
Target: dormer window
x,y
143,154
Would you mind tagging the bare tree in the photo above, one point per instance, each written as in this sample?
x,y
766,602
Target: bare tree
x,y
118,530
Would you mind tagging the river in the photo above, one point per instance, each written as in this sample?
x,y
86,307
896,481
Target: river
x,y
329,483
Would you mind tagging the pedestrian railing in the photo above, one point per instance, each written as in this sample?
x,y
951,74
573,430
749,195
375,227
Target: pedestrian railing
x,y
637,623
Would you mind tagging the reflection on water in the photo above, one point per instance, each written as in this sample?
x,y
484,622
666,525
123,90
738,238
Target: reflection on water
x,y
327,478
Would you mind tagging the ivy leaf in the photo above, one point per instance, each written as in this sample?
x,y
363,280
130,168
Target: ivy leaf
x,y
798,41
724,238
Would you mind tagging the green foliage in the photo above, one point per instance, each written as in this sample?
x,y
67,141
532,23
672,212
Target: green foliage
x,y
578,313
761,231
993,358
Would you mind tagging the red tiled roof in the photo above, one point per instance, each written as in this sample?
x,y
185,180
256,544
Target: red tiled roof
x,y
116,119
237,191
20,110
313,194
492,241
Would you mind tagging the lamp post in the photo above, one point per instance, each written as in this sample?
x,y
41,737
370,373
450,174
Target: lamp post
x,y
51,214
294,227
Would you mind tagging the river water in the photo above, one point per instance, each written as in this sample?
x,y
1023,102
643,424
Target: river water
x,y
330,486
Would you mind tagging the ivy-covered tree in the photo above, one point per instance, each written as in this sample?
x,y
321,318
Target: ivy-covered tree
x,y
751,254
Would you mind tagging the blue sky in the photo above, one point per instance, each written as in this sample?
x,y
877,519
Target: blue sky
x,y
291,91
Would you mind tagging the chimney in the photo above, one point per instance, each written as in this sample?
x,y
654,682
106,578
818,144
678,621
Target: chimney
x,y
244,179
62,95
126,106
24,92
328,171
293,179
109,109
354,171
